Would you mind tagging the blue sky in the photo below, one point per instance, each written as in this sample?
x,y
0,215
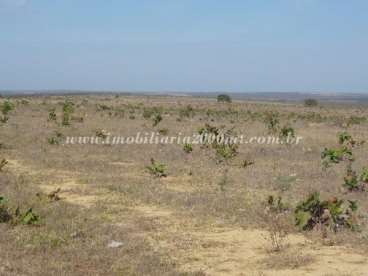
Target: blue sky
x,y
185,45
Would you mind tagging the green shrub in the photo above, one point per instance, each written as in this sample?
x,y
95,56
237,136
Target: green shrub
x,y
56,139
157,169
272,121
351,181
310,102
364,175
68,110
188,148
186,112
336,155
356,120
247,163
6,107
148,112
286,132
163,131
223,98
17,217
52,115
276,205
5,215
346,139
315,212
226,151
3,163
157,118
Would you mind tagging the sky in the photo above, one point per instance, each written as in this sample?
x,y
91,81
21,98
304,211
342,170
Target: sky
x,y
184,45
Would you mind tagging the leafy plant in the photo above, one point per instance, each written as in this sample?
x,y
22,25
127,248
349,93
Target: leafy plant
x,y
209,134
157,169
157,118
224,98
52,115
346,139
226,151
149,112
316,212
276,205
208,129
6,107
28,218
336,155
364,175
68,109
310,102
272,121
351,181
247,163
101,133
286,132
188,148
56,139
163,131
16,217
3,163
5,215
186,112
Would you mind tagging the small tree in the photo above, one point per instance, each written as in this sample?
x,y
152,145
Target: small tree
x,y
310,102
224,98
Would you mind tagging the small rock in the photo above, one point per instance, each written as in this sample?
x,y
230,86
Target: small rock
x,y
114,244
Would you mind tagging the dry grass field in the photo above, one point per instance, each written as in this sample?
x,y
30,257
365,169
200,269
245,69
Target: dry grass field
x,y
98,209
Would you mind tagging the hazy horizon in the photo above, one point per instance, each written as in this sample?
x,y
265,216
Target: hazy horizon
x,y
303,46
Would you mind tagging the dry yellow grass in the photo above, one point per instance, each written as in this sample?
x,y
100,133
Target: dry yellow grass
x,y
195,221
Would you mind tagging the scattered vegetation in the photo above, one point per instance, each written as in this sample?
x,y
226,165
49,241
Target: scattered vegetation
x,y
157,169
226,151
187,112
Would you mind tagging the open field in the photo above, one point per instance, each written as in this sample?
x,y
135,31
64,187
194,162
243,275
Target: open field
x,y
210,215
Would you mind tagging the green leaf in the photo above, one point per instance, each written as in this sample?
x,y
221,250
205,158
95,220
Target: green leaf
x,y
302,219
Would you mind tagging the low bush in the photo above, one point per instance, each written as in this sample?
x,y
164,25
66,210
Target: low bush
x,y
188,148
157,169
310,102
314,212
3,163
224,98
